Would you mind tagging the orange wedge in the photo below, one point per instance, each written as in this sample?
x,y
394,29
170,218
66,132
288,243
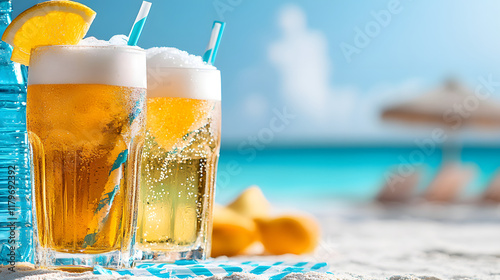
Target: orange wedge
x,y
57,22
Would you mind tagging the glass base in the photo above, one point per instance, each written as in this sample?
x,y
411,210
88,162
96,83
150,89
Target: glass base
x,y
170,256
50,259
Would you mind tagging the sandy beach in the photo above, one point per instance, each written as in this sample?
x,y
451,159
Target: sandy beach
x,y
375,242
453,242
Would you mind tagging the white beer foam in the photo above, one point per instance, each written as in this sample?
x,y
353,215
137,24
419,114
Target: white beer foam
x,y
85,64
176,73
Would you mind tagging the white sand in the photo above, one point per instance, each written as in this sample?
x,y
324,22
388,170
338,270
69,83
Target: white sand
x,y
370,242
458,242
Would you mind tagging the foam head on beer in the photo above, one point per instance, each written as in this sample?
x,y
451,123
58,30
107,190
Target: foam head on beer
x,y
176,73
91,62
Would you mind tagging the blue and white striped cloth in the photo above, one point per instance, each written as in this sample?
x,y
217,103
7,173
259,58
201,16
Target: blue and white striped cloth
x,y
190,269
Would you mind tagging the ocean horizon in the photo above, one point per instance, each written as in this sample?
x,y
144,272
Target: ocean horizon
x,y
343,174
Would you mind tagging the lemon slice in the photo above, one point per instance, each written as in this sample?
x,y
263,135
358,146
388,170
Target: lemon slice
x,y
58,22
170,118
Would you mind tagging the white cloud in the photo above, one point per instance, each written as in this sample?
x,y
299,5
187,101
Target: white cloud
x,y
327,111
301,57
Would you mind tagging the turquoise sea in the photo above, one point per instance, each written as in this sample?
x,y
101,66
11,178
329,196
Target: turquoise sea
x,y
340,173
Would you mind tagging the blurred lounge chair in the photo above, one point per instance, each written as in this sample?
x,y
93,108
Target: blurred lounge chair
x,y
492,193
399,191
449,182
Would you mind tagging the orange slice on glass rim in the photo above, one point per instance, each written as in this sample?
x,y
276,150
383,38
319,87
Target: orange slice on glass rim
x,y
59,22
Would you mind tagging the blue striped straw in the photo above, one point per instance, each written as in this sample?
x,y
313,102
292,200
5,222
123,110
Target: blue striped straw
x,y
116,173
136,31
213,44
112,186
188,269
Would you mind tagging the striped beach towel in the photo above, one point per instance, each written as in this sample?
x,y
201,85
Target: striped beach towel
x,y
190,269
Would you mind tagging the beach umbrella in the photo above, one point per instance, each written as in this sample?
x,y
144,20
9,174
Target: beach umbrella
x,y
451,105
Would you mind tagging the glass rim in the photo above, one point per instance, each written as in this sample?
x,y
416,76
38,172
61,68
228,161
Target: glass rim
x,y
117,47
182,68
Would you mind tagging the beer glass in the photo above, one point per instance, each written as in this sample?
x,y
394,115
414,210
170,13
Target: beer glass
x,y
179,163
86,125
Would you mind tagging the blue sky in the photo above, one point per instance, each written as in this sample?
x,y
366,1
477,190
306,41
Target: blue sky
x,y
287,55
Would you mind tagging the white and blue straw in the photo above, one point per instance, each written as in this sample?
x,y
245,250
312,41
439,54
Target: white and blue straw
x,y
213,44
136,31
116,173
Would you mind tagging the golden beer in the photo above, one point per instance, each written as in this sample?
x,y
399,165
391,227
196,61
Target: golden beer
x,y
178,173
179,159
76,149
85,142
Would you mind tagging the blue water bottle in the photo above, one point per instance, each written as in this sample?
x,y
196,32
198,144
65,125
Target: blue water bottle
x,y
16,230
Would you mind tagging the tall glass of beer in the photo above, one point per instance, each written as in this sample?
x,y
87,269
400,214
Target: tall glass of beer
x,y
86,123
179,159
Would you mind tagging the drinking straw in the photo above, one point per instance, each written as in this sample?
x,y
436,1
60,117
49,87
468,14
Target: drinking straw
x,y
115,176
113,183
213,44
140,20
101,213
